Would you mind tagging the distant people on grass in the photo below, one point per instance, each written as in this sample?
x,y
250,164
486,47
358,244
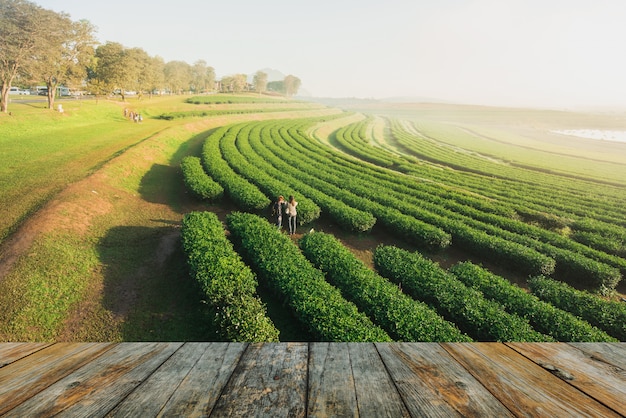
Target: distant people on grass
x,y
291,211
278,209
132,115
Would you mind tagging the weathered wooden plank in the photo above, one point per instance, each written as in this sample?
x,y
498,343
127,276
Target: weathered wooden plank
x,y
331,385
198,392
376,393
10,352
524,387
611,353
150,397
270,380
602,381
23,379
97,388
432,384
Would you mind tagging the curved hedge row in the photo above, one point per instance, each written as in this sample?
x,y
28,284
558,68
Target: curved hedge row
x,y
399,211
198,181
544,317
606,315
315,303
404,318
413,230
351,139
228,285
482,319
346,216
274,186
483,233
244,194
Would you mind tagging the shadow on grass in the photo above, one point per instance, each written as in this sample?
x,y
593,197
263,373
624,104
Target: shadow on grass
x,y
147,286
164,184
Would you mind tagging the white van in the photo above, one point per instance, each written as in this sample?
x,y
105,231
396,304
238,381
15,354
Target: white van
x,y
15,90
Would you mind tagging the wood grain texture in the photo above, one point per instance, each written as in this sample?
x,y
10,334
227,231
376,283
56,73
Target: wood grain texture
x,y
270,380
200,389
602,381
526,388
313,379
151,396
433,384
376,392
10,352
22,380
95,390
331,385
609,353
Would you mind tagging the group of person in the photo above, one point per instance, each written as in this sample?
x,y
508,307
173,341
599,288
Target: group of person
x,y
282,207
132,115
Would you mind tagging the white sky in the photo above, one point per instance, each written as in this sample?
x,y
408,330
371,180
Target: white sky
x,y
549,53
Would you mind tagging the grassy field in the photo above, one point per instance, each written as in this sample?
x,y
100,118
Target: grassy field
x,y
92,204
90,227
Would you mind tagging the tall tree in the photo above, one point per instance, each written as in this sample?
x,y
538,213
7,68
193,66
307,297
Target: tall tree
x,y
234,83
177,76
23,34
202,77
260,82
107,73
70,49
153,74
117,68
240,83
291,85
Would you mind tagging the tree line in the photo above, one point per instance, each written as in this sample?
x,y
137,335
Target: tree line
x,y
42,46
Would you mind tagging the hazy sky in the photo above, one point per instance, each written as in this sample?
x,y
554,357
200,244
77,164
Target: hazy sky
x,y
561,53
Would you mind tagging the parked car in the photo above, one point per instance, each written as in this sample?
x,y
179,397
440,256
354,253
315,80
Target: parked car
x,y
39,91
17,90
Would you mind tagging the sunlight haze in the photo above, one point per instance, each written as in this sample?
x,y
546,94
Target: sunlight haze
x,y
493,52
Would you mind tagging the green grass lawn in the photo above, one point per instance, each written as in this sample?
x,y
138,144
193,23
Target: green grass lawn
x,y
104,263
42,151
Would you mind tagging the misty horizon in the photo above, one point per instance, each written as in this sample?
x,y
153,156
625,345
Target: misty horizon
x,y
484,52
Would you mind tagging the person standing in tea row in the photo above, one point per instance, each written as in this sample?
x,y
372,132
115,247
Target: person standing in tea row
x,y
280,206
291,211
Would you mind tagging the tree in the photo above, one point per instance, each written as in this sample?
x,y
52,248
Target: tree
x,y
234,83
291,85
117,68
70,47
177,76
260,82
277,86
202,77
109,70
153,74
22,36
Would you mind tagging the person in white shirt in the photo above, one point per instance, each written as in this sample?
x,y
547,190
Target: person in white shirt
x,y
291,211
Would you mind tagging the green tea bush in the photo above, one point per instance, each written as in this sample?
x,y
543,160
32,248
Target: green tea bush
x,y
544,317
482,319
315,303
404,318
198,182
607,315
246,195
270,185
228,285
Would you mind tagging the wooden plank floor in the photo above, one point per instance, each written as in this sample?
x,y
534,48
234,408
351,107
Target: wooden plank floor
x,y
313,379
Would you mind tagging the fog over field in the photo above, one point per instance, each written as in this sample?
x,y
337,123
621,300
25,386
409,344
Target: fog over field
x,y
562,54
